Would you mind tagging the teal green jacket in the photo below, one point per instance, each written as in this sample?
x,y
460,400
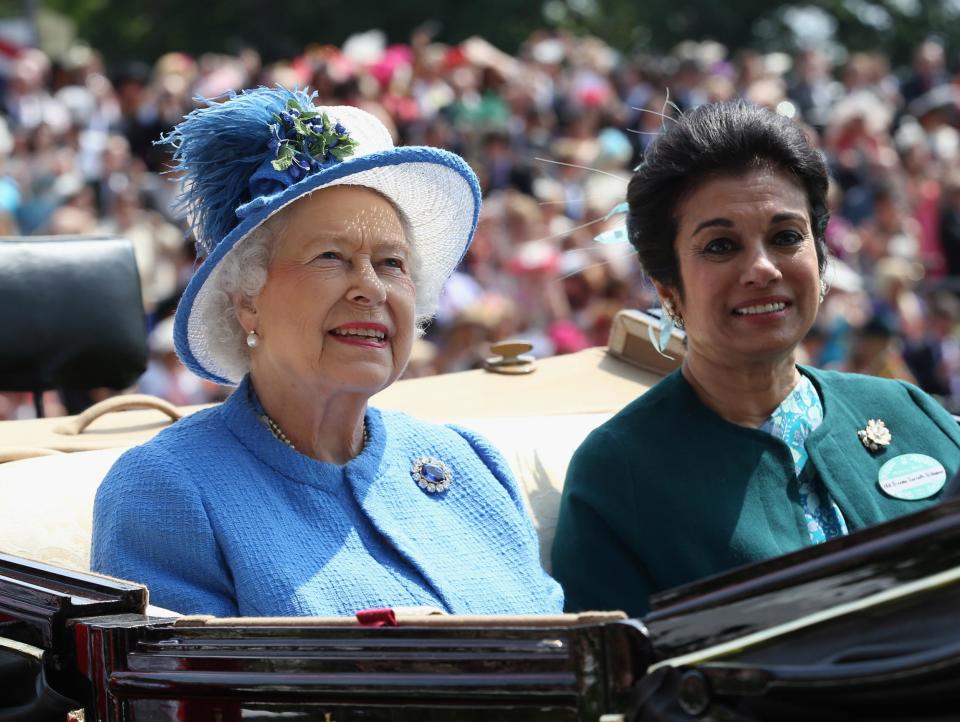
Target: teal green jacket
x,y
667,492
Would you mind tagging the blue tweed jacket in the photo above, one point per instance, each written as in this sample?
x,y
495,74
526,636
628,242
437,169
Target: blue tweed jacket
x,y
216,516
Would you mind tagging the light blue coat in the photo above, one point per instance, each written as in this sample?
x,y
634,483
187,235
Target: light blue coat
x,y
216,516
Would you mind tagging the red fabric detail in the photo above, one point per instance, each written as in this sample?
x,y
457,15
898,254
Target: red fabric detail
x,y
382,617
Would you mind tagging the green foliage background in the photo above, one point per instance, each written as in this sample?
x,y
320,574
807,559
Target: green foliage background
x,y
134,29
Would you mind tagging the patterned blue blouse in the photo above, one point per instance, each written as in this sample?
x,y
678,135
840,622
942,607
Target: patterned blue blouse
x,y
792,422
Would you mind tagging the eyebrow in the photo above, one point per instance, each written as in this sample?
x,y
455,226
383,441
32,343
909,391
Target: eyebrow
x,y
323,234
788,216
400,246
713,223
727,223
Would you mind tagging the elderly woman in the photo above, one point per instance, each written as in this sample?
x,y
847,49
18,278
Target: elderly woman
x,y
740,455
326,251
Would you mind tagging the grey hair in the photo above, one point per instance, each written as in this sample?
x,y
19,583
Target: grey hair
x,y
240,276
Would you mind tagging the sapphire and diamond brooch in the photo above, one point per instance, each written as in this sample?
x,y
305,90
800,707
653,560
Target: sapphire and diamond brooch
x,y
431,474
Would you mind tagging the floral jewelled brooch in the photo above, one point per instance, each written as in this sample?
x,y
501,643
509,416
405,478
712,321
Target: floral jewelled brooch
x,y
431,474
876,436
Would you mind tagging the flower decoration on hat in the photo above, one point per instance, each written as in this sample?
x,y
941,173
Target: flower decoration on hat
x,y
305,140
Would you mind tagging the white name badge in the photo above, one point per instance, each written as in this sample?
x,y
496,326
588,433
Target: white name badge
x,y
912,477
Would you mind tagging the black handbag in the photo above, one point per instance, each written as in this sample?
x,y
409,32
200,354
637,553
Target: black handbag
x,y
71,313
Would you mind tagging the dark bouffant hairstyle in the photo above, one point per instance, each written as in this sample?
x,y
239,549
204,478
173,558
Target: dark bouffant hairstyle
x,y
715,140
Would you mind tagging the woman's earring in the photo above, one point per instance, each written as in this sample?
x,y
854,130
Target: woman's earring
x,y
673,314
823,289
677,318
252,339
666,325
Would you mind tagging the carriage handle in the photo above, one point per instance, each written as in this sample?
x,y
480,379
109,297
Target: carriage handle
x,y
77,424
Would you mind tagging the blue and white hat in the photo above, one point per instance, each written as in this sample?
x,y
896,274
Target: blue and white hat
x,y
246,158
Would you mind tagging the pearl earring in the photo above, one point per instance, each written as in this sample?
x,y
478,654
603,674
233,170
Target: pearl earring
x,y
252,339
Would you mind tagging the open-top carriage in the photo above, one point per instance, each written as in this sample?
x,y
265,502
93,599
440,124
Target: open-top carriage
x,y
861,628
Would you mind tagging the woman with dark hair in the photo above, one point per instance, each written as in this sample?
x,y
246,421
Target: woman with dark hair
x,y
742,454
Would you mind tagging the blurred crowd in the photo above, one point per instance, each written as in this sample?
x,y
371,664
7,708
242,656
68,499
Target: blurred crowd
x,y
553,133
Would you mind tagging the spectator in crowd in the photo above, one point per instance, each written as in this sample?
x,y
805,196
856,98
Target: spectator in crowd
x,y
543,128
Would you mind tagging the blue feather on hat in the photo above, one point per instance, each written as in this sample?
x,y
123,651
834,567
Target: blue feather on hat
x,y
218,148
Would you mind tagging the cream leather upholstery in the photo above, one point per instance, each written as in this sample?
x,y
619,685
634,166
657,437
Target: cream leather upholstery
x,y
538,450
47,506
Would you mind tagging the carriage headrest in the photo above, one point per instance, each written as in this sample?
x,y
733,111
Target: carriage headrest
x,y
71,313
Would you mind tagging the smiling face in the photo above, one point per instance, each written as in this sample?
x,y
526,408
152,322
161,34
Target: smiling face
x,y
336,313
749,268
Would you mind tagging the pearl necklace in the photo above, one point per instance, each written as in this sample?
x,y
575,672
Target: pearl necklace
x,y
280,436
277,431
